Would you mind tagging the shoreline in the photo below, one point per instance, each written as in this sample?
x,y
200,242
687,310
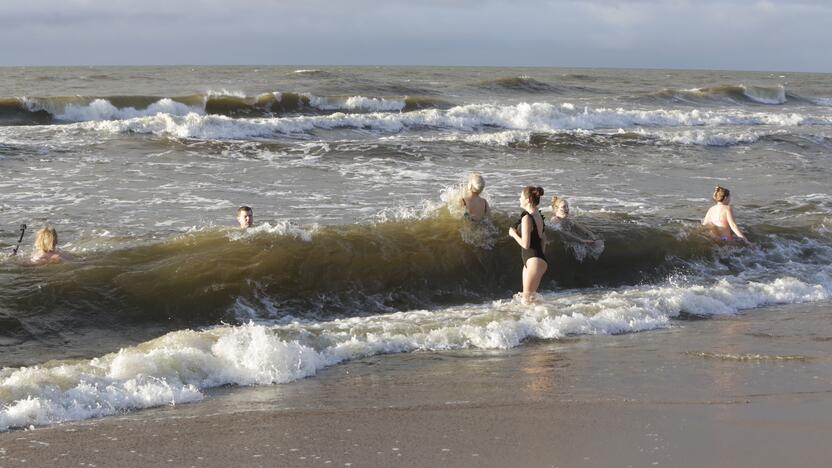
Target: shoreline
x,y
528,434
623,400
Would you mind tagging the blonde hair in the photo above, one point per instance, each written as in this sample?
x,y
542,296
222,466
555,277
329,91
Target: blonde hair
x,y
476,183
46,240
556,200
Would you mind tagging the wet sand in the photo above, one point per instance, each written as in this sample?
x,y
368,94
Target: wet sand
x,y
719,392
762,433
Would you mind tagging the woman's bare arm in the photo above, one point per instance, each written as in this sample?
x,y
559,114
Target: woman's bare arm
x,y
729,216
524,237
526,232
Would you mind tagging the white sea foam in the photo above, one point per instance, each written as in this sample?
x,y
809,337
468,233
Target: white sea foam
x,y
535,117
225,92
102,109
501,138
424,210
177,367
708,138
282,228
820,200
450,198
356,103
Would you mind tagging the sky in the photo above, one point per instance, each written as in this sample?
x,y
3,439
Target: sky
x,y
769,35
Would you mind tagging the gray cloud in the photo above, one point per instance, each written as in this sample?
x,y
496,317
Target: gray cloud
x,y
735,34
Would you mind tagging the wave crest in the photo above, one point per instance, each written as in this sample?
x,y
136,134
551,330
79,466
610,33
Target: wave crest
x,y
520,83
758,94
46,110
533,117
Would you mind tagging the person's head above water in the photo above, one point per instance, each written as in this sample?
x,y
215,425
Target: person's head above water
x,y
560,207
476,184
721,195
46,240
531,195
245,216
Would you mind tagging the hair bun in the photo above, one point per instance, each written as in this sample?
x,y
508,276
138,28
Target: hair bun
x,y
721,193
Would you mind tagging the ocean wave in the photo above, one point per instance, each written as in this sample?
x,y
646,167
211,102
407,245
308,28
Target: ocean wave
x,y
283,229
765,94
534,117
590,140
705,138
353,103
771,95
46,110
225,93
201,277
308,72
15,112
179,366
522,83
101,109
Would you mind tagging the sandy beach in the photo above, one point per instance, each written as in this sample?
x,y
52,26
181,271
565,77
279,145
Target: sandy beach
x,y
763,432
609,401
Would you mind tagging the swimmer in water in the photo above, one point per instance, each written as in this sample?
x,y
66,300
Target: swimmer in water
x,y
720,217
46,247
569,229
476,208
245,217
530,234
576,238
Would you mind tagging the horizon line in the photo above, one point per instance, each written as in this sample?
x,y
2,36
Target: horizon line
x,y
751,70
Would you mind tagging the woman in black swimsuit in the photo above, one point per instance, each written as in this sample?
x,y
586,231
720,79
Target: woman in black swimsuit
x,y
532,239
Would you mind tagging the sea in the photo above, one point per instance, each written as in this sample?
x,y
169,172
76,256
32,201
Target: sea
x,y
360,249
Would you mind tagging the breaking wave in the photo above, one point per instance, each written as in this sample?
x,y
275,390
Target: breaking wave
x,y
39,111
533,117
771,95
178,367
276,271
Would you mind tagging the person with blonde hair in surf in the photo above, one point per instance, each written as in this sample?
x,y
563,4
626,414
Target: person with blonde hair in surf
x,y
576,238
476,207
720,217
46,247
530,234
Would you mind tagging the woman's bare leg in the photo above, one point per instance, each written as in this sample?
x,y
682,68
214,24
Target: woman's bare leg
x,y
532,274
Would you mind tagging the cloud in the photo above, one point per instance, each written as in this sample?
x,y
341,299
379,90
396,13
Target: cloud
x,y
741,34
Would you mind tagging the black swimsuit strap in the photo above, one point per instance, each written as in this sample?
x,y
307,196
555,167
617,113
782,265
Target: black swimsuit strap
x,y
534,223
